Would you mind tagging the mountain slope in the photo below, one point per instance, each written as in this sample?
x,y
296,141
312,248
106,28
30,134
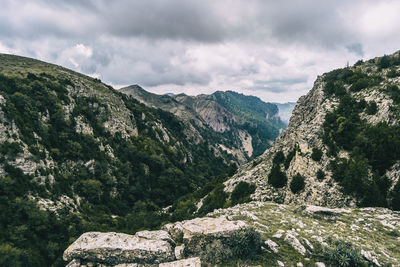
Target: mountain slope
x,y
342,146
77,155
247,124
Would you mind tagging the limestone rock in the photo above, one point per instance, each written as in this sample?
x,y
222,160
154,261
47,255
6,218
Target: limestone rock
x,y
272,245
74,263
320,264
295,243
369,257
114,248
324,211
218,227
179,252
191,262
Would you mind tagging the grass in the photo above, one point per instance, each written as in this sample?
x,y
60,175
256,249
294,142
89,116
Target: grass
x,y
368,233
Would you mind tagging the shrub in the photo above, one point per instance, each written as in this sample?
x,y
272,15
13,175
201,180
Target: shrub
x,y
215,200
320,175
359,85
297,184
372,108
316,154
246,244
384,62
392,73
278,158
396,197
276,177
344,254
242,192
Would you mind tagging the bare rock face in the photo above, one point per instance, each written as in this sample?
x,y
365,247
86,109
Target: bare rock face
x,y
114,248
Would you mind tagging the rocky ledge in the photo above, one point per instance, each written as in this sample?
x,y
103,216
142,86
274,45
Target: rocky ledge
x,y
179,244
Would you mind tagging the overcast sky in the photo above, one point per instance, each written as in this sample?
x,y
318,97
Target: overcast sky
x,y
268,48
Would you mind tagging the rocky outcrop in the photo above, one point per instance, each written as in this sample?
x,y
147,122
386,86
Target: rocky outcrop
x,y
155,247
114,248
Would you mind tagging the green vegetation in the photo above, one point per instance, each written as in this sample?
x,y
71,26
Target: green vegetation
x,y
297,184
343,253
276,177
246,244
373,148
241,193
123,182
316,154
259,116
320,175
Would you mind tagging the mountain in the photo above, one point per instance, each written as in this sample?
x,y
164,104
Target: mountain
x,y
247,124
342,145
77,155
285,110
327,193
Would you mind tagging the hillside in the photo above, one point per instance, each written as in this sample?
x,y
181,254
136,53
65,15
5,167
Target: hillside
x,y
77,155
327,193
246,125
342,146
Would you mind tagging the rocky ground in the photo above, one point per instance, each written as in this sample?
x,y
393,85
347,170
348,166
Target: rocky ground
x,y
296,234
290,235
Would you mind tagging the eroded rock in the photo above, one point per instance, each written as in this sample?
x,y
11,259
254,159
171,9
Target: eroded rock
x,y
115,248
295,243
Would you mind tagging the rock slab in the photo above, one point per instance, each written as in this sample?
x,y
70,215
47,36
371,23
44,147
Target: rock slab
x,y
115,248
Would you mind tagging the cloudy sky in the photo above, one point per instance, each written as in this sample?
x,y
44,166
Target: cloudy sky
x,y
268,48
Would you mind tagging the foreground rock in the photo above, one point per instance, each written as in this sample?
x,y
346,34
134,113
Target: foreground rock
x,y
114,248
191,262
202,238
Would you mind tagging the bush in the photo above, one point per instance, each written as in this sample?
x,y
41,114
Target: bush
x,y
384,62
396,197
276,177
343,253
215,200
278,158
297,184
372,108
242,192
246,244
359,85
320,175
316,154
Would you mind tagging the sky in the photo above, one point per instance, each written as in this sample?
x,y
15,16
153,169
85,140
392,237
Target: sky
x,y
271,49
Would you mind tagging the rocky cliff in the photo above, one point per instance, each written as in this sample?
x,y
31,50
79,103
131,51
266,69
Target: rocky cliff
x,y
342,143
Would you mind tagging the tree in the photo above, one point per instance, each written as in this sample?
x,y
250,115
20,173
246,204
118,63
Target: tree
x,y
276,177
297,184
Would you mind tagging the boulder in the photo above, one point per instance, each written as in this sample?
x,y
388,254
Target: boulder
x,y
217,227
295,243
114,248
324,212
191,262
